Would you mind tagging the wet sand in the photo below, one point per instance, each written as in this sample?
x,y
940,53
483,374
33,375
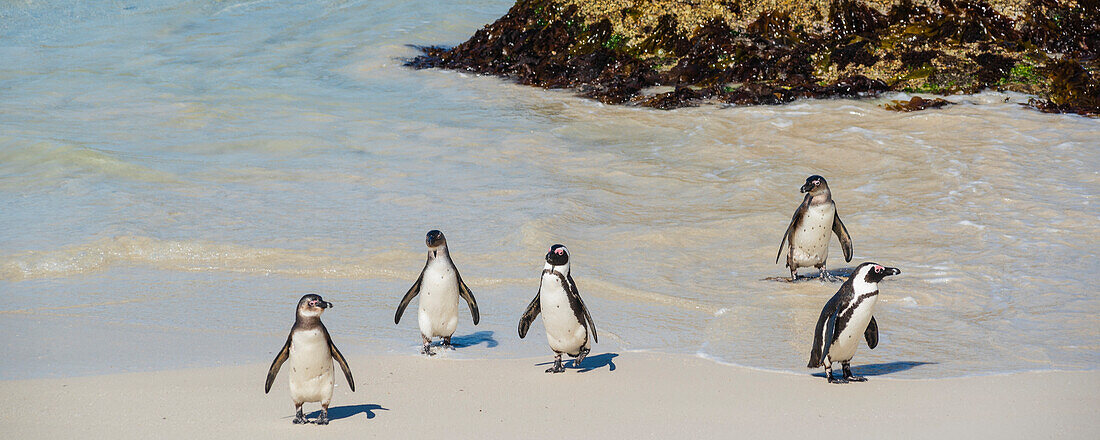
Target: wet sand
x,y
622,395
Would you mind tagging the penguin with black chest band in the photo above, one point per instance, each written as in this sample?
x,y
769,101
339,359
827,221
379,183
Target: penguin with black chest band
x,y
310,350
439,287
846,316
807,236
564,315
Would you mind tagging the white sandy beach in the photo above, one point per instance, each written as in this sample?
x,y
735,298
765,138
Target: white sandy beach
x,y
625,395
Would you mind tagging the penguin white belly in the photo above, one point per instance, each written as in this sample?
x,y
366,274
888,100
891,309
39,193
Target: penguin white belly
x,y
311,378
852,333
438,310
810,241
563,331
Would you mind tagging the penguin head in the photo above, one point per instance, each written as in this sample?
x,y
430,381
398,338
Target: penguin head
x,y
873,272
312,305
815,185
558,255
435,239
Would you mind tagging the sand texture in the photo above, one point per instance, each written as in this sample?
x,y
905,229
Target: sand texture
x,y
624,395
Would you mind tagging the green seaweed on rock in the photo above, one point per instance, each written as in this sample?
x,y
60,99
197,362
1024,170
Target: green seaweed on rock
x,y
850,50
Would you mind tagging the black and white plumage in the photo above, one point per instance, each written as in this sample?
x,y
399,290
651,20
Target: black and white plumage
x,y
564,314
807,236
439,287
310,350
846,316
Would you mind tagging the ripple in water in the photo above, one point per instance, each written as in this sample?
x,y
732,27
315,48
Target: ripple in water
x,y
179,174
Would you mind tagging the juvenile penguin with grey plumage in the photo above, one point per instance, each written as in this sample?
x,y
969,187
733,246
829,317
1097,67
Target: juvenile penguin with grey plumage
x,y
564,315
310,350
807,236
439,287
846,316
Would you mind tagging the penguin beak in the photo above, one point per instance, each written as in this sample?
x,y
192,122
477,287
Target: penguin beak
x,y
806,187
892,271
328,305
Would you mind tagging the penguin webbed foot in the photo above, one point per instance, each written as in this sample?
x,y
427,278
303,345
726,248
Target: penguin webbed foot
x,y
323,419
848,376
831,378
825,276
580,357
426,350
447,344
299,419
837,380
558,367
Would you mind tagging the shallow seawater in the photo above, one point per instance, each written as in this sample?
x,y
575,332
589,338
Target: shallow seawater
x,y
174,176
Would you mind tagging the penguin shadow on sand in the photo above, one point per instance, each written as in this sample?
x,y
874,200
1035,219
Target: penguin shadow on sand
x,y
472,339
346,411
838,276
882,369
590,363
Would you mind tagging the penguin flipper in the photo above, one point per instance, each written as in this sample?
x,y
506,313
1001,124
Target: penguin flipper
x,y
830,330
823,333
530,314
465,293
413,291
339,358
588,317
278,363
842,234
795,220
871,334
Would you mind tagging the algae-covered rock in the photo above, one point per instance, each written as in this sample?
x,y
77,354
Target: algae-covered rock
x,y
673,53
916,103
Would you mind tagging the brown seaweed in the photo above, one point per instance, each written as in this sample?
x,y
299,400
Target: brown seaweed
x,y
916,103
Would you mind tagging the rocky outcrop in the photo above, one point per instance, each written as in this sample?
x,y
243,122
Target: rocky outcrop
x,y
668,54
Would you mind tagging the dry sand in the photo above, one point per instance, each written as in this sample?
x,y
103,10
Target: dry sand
x,y
626,395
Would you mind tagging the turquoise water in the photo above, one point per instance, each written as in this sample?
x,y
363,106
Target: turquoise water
x,y
174,176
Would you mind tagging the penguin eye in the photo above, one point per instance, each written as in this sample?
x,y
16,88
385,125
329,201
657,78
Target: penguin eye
x,y
878,269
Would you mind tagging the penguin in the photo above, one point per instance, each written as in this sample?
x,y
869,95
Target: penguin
x,y
442,286
564,315
808,234
310,351
845,316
